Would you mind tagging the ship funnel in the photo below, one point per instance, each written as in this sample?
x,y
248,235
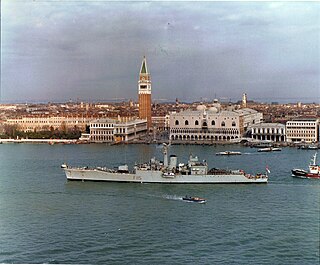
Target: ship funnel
x,y
173,161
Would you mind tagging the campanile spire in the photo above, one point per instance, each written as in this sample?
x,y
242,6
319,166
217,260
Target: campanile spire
x,y
144,69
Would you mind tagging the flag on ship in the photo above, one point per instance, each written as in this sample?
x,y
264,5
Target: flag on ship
x,y
267,168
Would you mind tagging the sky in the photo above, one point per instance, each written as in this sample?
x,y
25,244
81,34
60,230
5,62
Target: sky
x,y
56,51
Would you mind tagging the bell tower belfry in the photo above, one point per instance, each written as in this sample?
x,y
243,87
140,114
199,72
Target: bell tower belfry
x,y
144,91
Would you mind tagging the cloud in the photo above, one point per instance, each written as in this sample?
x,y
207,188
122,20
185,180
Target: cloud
x,y
93,50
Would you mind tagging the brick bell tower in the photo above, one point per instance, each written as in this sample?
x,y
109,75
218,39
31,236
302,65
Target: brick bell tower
x,y
144,91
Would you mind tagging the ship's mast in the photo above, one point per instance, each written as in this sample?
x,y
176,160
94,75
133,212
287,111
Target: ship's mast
x,y
313,160
165,154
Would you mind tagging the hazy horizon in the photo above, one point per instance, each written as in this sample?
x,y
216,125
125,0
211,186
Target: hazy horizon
x,y
154,101
196,51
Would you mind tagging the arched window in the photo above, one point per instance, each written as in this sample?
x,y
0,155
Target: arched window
x,y
223,124
196,123
177,122
186,122
233,123
213,123
204,124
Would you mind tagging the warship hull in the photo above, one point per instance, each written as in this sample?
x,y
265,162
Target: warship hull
x,y
150,176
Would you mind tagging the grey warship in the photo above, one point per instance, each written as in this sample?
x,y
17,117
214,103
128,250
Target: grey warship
x,y
169,171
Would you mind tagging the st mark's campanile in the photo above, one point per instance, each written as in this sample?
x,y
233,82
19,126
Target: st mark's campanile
x,y
144,90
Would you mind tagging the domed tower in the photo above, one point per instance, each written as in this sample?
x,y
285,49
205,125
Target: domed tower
x,y
144,91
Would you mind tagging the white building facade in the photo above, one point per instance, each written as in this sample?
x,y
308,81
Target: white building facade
x,y
38,123
249,117
269,131
112,130
303,130
208,125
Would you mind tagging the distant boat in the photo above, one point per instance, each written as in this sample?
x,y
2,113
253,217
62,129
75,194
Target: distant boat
x,y
228,153
276,149
312,173
269,149
308,147
262,144
194,199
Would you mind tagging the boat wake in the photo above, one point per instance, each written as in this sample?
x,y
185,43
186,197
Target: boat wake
x,y
166,197
172,197
257,153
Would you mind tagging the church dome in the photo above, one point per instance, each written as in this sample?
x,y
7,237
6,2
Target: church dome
x,y
213,109
201,107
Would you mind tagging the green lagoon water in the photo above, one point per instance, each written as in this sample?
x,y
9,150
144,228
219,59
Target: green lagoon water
x,y
45,219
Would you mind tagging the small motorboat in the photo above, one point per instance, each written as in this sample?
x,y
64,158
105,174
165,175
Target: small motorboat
x,y
276,149
269,149
194,199
308,147
312,147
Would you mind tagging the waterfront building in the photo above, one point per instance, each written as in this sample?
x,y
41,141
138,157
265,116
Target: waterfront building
x,y
269,131
44,123
114,130
249,117
303,130
160,122
212,124
144,91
